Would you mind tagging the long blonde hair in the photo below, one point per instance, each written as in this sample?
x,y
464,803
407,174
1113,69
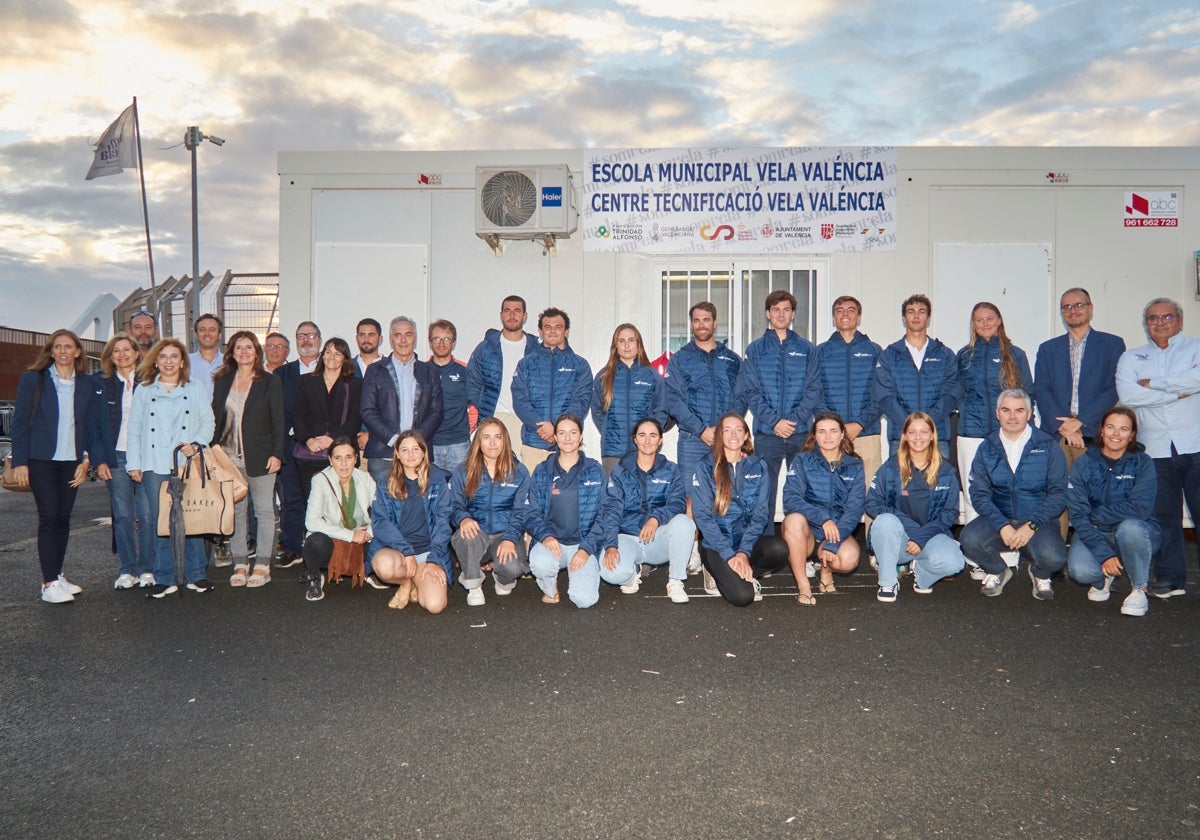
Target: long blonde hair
x,y
904,457
723,496
506,465
397,480
1008,365
610,370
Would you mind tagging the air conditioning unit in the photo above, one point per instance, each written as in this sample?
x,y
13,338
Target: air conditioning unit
x,y
524,202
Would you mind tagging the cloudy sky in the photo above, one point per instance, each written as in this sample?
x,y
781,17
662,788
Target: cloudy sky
x,y
268,75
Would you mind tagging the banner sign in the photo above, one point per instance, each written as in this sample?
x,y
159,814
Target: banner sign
x,y
1152,208
730,200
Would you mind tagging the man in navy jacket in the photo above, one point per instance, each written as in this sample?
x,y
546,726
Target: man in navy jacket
x,y
492,365
917,373
780,382
400,392
550,381
847,366
1019,488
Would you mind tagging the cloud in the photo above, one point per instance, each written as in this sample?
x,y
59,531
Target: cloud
x,y
1019,15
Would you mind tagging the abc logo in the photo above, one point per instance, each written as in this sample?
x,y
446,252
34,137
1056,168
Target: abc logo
x,y
1168,204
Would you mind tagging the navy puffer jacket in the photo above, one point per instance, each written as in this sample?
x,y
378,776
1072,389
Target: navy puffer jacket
x,y
780,380
638,392
979,373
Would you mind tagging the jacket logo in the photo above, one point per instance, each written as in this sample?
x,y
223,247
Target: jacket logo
x,y
592,483
859,354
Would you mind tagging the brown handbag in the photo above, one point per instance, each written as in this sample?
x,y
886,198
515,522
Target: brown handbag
x,y
223,469
207,499
348,558
9,481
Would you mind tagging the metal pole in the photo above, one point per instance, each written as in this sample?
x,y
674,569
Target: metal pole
x,y
192,141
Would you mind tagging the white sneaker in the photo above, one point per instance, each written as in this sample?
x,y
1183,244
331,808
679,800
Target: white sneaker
x,y
1135,603
56,593
146,580
72,588
694,565
634,584
710,585
1101,593
502,588
810,568
993,585
676,593
1042,590
874,563
977,573
757,589
125,582
475,597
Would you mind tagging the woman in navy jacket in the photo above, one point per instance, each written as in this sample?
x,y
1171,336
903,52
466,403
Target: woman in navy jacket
x,y
134,545
1110,496
57,425
823,494
411,522
624,391
487,511
914,501
644,512
565,497
989,364
729,502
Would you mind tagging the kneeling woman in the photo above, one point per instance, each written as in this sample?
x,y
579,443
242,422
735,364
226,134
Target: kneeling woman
x,y
566,494
823,497
914,502
338,509
644,519
487,511
732,509
411,518
1111,499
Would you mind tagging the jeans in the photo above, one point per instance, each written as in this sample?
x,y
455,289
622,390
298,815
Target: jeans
x,y
195,561
133,532
451,456
1178,480
1133,542
583,586
262,491
672,544
776,452
690,453
940,557
981,543
380,470
770,554
49,482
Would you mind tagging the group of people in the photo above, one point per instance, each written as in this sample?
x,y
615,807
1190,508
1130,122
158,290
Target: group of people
x,y
477,467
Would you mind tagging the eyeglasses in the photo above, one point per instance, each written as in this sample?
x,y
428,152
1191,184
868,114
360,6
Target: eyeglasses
x,y
276,346
140,313
1161,319
1074,307
308,335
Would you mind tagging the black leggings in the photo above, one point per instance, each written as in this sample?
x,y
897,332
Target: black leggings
x,y
318,548
55,498
770,554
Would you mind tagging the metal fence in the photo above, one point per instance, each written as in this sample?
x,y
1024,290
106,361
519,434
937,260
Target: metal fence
x,y
241,301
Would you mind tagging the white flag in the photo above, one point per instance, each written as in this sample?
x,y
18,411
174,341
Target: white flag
x,y
115,151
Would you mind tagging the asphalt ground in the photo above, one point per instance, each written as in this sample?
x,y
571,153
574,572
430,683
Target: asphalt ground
x,y
252,713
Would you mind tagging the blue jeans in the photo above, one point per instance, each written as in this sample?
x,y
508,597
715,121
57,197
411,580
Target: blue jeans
x,y
133,532
451,456
1133,543
940,557
583,587
195,561
1046,551
776,452
1178,480
672,544
690,452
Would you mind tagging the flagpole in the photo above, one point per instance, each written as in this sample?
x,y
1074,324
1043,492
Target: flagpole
x,y
137,132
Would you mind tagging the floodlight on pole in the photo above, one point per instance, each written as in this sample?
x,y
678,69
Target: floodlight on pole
x,y
192,138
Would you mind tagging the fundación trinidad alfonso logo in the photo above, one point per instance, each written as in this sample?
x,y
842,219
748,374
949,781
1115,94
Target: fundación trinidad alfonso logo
x,y
719,232
603,232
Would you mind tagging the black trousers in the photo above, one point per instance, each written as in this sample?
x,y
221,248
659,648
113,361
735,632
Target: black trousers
x,y
770,554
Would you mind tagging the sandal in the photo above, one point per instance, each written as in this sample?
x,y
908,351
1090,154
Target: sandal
x,y
261,576
238,578
806,599
401,599
827,587
550,599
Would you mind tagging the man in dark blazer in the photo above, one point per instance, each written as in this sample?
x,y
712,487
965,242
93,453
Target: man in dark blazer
x,y
1074,378
400,392
291,500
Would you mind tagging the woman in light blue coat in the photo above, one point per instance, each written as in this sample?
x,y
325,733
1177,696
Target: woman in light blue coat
x,y
169,410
